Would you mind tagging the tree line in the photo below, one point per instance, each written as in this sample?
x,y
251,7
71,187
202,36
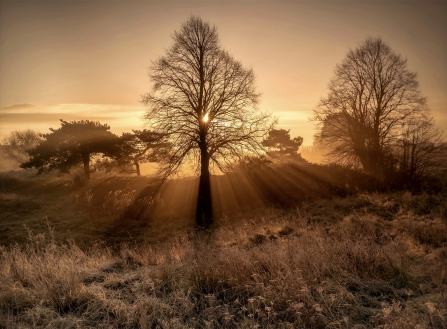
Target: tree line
x,y
203,108
90,143
80,143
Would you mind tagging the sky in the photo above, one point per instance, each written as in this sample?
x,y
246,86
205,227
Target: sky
x,y
76,60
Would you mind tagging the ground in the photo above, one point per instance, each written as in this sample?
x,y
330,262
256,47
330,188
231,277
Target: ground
x,y
115,253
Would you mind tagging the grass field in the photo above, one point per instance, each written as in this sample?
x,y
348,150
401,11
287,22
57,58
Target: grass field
x,y
305,252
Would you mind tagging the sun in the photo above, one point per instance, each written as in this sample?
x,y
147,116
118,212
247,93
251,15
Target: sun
x,y
205,118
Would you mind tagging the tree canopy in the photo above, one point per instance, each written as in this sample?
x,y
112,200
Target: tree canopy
x,y
140,146
205,102
72,144
280,143
371,94
421,149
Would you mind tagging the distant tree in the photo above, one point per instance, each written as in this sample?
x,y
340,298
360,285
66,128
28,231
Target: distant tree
x,y
279,142
421,149
338,148
370,96
72,144
18,142
139,147
204,101
250,164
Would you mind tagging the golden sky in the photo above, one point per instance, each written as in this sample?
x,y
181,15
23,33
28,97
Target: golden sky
x,y
77,60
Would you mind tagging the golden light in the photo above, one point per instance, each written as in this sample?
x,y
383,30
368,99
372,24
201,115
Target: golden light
x,y
205,118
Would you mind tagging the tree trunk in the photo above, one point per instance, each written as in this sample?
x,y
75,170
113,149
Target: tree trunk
x,y
204,212
86,162
404,158
137,167
413,161
362,151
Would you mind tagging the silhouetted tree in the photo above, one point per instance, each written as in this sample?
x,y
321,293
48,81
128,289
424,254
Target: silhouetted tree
x,y
370,96
204,100
139,147
250,164
279,142
72,144
421,149
18,142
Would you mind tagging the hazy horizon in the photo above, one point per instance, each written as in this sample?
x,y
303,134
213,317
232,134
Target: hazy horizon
x,y
88,60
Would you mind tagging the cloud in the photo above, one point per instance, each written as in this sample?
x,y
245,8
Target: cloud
x,y
39,117
121,118
84,109
16,107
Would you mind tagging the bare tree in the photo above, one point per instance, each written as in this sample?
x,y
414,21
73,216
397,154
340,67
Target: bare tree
x,y
421,150
18,142
370,96
205,101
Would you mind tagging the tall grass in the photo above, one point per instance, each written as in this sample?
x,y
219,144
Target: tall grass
x,y
279,270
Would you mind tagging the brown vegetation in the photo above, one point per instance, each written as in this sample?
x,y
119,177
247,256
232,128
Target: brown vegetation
x,y
365,261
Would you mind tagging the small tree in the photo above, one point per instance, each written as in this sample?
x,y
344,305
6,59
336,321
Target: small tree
x,y
72,144
280,143
139,147
18,142
205,102
421,149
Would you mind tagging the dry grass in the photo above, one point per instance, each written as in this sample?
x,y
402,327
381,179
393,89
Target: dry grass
x,y
379,262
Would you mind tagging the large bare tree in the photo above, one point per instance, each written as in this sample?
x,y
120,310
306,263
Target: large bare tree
x,y
371,94
205,101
